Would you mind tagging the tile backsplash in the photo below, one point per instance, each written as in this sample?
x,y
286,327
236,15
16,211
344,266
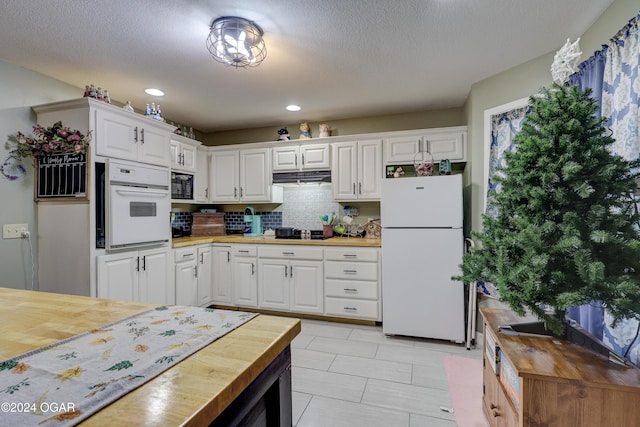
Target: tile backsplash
x,y
301,208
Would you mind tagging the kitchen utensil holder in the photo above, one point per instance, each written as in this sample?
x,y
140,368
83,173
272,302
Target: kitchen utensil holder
x,y
422,167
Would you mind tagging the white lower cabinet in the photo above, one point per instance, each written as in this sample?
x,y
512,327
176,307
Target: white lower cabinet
x,y
245,278
291,278
186,276
193,275
221,280
352,283
141,275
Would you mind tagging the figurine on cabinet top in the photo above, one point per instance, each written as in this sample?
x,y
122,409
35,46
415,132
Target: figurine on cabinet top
x,y
305,131
324,130
284,135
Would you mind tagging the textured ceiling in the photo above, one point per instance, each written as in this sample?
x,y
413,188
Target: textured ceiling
x,y
335,58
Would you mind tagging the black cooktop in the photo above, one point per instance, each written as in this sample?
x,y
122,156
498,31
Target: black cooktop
x,y
297,234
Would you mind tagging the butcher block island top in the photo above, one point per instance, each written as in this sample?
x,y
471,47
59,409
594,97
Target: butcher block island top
x,y
193,392
234,238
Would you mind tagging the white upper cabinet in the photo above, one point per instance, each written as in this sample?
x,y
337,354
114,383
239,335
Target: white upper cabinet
x,y
201,185
301,157
357,170
125,135
242,176
183,153
442,143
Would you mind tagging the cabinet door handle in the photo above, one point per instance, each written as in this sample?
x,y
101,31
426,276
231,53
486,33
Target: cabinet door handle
x,y
229,256
202,258
138,264
144,263
206,193
359,188
241,192
285,271
302,155
295,160
135,134
142,135
195,271
253,269
291,271
235,192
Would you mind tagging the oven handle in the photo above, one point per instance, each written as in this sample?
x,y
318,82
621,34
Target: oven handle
x,y
146,192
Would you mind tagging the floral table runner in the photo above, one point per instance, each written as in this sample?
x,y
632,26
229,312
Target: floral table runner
x,y
66,382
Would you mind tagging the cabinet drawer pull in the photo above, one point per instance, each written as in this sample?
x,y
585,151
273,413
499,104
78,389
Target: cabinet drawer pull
x,y
353,290
351,309
244,251
288,253
187,255
350,271
349,255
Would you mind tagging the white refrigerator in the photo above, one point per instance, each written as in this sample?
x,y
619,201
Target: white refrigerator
x,y
422,248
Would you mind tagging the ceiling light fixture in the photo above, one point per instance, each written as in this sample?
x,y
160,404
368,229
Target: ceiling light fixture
x,y
154,92
293,107
236,42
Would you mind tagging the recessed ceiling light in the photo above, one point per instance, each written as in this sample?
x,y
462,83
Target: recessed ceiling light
x,y
293,107
154,92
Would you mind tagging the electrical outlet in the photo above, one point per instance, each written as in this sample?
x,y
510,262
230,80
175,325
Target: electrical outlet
x,y
14,231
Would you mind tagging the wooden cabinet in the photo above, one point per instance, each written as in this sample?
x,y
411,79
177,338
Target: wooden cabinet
x,y
221,279
356,171
183,153
242,176
245,275
442,143
142,276
301,157
291,278
201,178
125,135
545,381
352,283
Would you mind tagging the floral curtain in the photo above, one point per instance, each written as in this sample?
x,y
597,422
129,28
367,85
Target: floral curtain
x,y
620,99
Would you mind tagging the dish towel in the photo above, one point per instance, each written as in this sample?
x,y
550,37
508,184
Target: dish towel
x,y
66,382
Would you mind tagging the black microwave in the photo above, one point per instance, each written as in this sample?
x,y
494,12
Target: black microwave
x,y
181,186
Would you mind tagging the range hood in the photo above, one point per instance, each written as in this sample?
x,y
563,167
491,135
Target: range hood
x,y
302,177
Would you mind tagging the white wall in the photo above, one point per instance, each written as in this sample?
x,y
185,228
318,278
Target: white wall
x,y
20,90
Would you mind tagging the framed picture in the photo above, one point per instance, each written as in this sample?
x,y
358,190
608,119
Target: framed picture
x,y
62,177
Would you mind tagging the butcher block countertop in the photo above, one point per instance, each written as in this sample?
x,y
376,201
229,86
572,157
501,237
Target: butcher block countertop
x,y
193,392
360,242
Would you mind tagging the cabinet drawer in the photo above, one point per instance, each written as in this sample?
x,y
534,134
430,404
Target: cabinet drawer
x,y
185,254
351,254
351,289
344,307
290,252
244,250
351,270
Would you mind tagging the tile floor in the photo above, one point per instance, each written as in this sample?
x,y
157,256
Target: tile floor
x,y
352,376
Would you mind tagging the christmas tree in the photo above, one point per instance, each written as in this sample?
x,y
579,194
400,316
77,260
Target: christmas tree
x,y
566,231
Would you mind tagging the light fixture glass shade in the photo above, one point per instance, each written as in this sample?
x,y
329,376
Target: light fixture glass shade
x,y
236,42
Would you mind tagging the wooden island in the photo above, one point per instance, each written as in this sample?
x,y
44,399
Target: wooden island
x,y
230,379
